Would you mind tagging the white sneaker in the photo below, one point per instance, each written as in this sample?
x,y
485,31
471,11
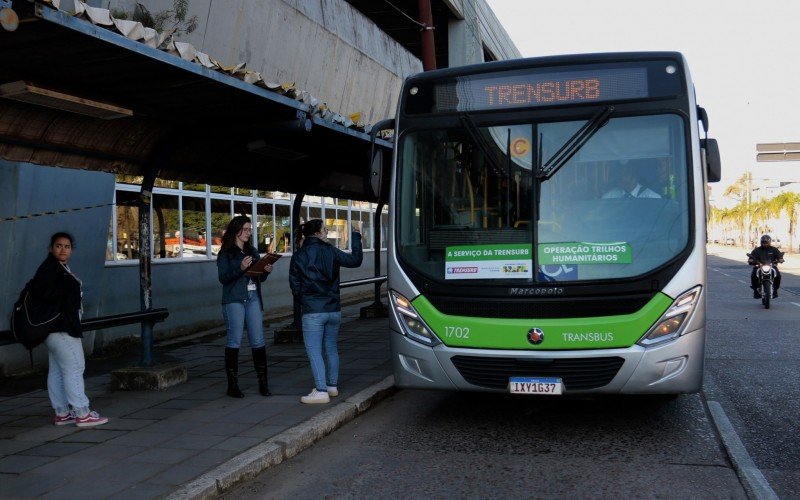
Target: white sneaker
x,y
315,397
333,391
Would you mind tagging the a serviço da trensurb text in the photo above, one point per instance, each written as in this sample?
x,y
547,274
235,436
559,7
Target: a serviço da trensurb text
x,y
548,223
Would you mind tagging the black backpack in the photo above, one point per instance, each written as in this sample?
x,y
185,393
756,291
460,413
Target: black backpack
x,y
32,322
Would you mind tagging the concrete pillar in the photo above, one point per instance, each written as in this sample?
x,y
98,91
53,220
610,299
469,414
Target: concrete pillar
x,y
465,45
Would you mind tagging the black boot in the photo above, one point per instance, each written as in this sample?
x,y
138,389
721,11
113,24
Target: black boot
x,y
260,363
232,372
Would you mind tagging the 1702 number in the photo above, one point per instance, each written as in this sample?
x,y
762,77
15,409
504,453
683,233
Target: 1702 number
x,y
459,332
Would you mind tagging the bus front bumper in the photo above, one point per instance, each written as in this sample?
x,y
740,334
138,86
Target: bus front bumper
x,y
670,368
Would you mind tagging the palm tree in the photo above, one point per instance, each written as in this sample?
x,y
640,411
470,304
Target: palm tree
x,y
787,202
738,190
761,213
737,217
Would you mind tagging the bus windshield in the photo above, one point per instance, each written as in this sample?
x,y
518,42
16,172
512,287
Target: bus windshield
x,y
470,206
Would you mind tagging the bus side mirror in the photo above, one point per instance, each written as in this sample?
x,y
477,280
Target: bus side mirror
x,y
710,153
376,173
379,161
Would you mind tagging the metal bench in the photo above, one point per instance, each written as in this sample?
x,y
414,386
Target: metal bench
x,y
151,315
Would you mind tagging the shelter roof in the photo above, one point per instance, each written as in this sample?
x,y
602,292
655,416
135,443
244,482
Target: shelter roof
x,y
80,95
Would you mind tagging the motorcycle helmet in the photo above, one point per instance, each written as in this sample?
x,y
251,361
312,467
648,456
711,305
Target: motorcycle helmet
x,y
766,240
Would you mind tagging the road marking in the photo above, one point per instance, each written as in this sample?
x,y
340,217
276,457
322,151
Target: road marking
x,y
743,281
752,478
795,303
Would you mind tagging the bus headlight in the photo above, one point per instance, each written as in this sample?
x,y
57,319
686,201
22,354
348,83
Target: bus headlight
x,y
672,323
410,321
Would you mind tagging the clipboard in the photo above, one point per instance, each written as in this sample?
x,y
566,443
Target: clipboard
x,y
257,269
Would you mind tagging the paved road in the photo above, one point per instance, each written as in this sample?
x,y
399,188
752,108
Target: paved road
x,y
752,364
438,444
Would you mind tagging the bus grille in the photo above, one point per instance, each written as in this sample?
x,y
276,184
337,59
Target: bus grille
x,y
484,307
576,373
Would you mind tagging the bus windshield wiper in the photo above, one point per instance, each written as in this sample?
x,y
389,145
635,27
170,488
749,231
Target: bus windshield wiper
x,y
485,148
574,144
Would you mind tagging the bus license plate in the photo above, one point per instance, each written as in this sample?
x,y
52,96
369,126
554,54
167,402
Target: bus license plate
x,y
530,385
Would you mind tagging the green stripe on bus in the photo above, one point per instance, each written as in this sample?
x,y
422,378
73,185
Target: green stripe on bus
x,y
601,332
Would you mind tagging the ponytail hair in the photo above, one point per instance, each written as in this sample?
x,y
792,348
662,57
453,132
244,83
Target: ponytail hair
x,y
303,231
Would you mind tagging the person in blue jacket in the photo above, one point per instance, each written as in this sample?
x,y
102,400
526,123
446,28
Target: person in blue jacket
x,y
314,280
241,303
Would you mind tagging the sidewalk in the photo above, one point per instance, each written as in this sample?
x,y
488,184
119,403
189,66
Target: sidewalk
x,y
187,440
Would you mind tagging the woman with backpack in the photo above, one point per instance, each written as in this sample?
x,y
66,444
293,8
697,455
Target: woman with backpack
x,y
54,282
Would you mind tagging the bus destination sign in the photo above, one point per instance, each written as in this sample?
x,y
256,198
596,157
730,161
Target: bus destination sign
x,y
515,90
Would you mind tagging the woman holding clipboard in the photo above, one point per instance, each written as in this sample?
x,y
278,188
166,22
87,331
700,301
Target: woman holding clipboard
x,y
241,302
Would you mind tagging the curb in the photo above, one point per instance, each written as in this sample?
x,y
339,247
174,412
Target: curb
x,y
285,445
754,482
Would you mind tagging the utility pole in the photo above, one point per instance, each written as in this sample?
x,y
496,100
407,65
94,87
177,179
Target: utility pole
x,y
428,48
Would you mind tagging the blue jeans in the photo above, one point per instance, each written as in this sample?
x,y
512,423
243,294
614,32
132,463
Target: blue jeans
x,y
237,314
65,374
322,330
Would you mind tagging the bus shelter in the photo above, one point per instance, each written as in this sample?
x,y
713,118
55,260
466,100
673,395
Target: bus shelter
x,y
77,95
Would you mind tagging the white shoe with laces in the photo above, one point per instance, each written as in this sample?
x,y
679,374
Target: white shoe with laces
x,y
316,397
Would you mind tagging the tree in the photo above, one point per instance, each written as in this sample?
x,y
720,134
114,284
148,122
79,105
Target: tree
x,y
787,202
738,190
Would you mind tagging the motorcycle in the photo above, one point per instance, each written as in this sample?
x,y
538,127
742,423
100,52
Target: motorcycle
x,y
765,274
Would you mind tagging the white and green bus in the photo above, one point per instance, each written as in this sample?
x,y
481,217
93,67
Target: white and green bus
x,y
547,231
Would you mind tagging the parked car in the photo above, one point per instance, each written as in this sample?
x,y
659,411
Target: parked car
x,y
730,241
776,242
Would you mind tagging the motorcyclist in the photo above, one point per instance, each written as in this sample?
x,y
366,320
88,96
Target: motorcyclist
x,y
765,254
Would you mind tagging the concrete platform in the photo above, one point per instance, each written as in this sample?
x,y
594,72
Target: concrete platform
x,y
189,440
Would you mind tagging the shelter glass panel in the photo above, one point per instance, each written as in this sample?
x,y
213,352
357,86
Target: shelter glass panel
x,y
187,186
243,208
167,183
129,179
283,229
362,219
194,227
337,228
166,226
220,217
110,242
127,220
265,225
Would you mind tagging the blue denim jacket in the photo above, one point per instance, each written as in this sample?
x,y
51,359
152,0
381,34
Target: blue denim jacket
x,y
234,281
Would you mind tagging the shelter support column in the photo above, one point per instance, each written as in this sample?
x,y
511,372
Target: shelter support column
x,y
294,332
169,371
145,263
